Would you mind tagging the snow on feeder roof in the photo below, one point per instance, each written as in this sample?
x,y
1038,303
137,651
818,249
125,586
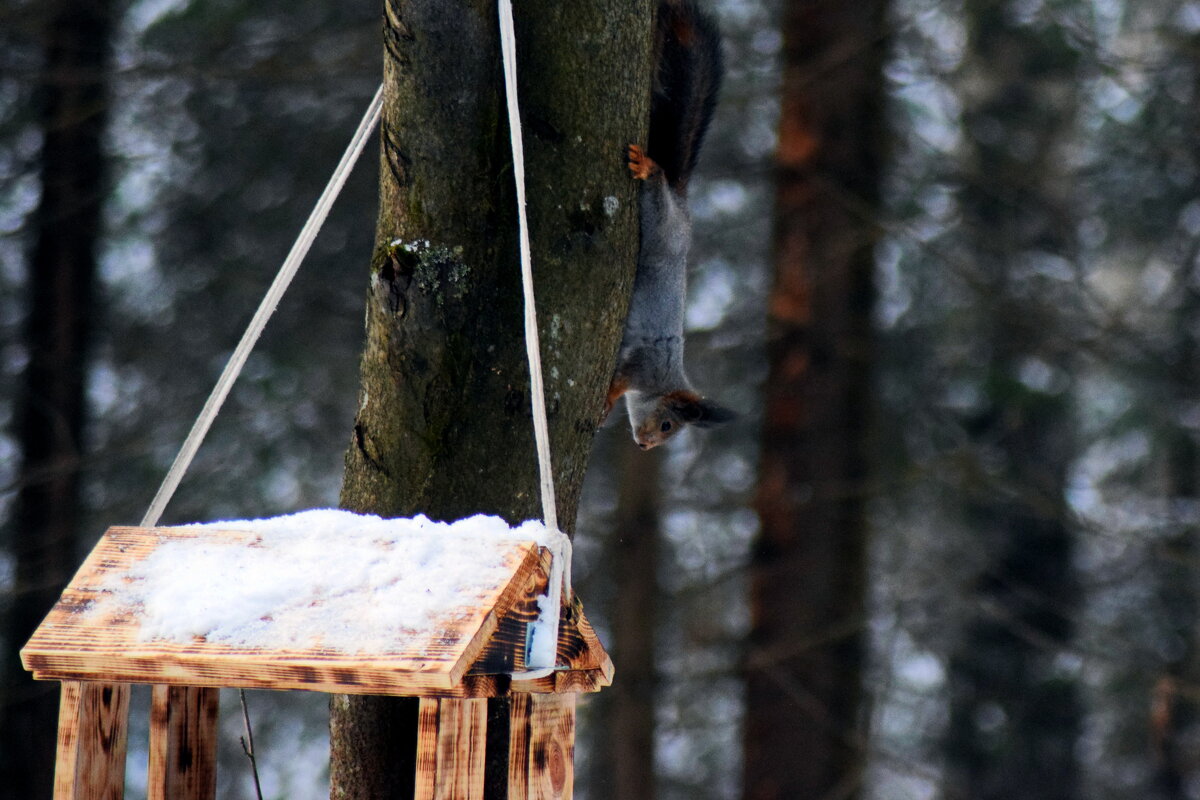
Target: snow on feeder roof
x,y
323,600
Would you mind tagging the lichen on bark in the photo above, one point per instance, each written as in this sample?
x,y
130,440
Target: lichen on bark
x,y
444,424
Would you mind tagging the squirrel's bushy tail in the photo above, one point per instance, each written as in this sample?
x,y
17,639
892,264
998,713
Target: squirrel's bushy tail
x,y
687,78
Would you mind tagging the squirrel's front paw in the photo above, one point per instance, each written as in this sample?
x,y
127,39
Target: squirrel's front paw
x,y
641,165
618,387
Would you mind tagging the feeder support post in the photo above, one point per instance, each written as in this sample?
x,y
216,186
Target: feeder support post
x,y
92,735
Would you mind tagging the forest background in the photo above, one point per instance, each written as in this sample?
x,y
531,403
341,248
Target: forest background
x,y
1029,604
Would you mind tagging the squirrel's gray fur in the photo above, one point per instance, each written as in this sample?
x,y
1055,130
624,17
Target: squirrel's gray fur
x,y
650,373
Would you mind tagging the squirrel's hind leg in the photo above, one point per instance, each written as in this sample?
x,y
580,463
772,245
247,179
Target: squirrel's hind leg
x,y
641,165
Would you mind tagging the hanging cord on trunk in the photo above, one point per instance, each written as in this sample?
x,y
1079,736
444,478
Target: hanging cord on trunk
x,y
541,654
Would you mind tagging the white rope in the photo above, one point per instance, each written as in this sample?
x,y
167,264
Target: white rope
x,y
560,575
267,307
541,429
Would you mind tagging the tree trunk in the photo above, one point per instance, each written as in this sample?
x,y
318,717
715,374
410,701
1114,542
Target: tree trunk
x,y
803,668
444,424
73,110
1014,712
1173,712
634,621
1174,717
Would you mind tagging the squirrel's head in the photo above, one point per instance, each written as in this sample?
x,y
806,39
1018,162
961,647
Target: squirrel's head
x,y
668,415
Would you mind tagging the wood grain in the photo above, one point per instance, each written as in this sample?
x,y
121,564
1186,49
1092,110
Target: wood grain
x,y
584,665
92,734
578,645
183,743
451,745
541,763
75,642
505,652
487,638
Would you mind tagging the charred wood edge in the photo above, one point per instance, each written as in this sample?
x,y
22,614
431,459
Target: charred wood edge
x,y
579,654
183,742
575,681
505,650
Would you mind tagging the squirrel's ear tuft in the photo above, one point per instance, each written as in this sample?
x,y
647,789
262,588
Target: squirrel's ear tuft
x,y
692,409
710,415
687,406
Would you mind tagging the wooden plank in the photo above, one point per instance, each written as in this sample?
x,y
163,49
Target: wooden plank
x,y
451,746
520,707
92,733
183,743
541,760
78,642
584,665
505,650
471,686
577,681
579,647
304,676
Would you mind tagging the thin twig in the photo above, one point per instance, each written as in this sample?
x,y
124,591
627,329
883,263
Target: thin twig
x,y
248,744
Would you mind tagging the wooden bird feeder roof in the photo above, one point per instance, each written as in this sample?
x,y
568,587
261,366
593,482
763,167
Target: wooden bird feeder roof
x,y
474,643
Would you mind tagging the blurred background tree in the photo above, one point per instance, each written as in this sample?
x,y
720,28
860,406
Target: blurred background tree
x,y
1014,713
72,105
806,646
1030,472
218,116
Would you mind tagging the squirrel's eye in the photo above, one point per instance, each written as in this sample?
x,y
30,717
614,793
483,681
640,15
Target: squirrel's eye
x,y
666,427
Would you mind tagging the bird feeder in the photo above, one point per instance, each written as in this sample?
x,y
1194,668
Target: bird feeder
x,y
473,645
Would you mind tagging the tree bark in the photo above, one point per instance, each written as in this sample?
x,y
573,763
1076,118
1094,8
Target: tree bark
x,y
635,621
808,582
444,425
73,111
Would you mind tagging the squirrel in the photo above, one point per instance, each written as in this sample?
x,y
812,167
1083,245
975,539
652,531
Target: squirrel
x,y
649,373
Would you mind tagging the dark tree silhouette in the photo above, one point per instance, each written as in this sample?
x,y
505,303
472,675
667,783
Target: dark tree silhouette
x,y
72,110
1014,716
808,578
